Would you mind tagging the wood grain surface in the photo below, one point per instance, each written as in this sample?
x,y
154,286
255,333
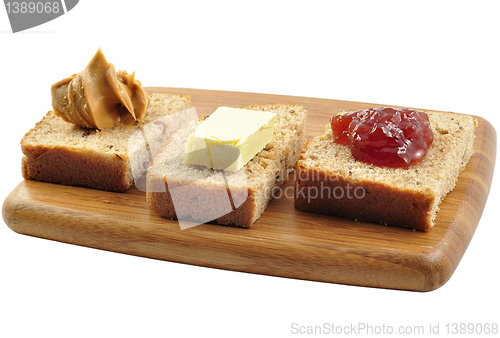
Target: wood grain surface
x,y
284,242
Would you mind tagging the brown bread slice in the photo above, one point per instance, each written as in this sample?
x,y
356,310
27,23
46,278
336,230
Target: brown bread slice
x,y
237,198
331,181
59,152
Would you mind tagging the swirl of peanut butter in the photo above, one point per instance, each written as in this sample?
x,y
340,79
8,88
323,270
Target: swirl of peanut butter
x,y
99,97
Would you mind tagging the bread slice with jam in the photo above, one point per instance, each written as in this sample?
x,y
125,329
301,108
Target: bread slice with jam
x,y
330,181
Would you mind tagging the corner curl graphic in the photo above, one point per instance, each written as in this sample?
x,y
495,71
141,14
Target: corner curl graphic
x,y
26,14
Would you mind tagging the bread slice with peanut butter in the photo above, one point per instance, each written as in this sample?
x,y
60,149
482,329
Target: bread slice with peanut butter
x,y
57,151
100,131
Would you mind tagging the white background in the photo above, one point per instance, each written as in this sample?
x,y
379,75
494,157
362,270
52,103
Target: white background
x,y
429,54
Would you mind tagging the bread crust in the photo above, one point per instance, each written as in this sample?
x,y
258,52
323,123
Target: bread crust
x,y
64,166
243,216
366,201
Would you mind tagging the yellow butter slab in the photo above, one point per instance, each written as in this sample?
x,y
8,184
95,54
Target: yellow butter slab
x,y
229,138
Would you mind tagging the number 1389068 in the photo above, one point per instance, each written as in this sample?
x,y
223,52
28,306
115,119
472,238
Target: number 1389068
x,y
472,328
32,7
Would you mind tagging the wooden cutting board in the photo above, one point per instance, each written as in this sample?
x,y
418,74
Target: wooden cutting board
x,y
284,242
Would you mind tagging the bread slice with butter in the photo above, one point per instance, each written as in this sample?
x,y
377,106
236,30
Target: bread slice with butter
x,y
331,181
57,151
196,193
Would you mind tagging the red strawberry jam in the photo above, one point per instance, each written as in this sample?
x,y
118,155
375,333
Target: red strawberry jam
x,y
384,136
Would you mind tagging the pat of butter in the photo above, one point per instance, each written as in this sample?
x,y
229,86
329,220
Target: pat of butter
x,y
229,138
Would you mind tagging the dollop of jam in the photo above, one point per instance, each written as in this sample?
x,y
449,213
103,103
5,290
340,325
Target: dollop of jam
x,y
384,136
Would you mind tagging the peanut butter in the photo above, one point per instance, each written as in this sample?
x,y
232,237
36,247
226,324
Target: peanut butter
x,y
99,97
